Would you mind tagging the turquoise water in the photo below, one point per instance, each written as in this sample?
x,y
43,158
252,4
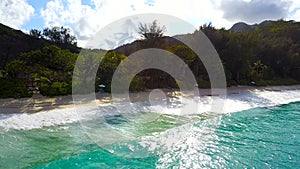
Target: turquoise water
x,y
260,138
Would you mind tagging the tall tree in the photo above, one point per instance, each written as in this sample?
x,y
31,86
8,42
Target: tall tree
x,y
152,35
35,33
59,35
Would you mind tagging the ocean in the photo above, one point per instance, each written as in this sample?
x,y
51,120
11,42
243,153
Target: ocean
x,y
257,130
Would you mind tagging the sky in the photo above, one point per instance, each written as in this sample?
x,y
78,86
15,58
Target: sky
x,y
86,17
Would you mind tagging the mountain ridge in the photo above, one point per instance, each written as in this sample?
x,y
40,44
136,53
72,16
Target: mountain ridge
x,y
244,27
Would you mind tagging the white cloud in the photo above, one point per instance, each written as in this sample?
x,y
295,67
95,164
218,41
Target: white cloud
x,y
294,11
86,20
255,11
15,13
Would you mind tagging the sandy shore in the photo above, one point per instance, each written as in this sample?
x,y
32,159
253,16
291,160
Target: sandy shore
x,y
40,103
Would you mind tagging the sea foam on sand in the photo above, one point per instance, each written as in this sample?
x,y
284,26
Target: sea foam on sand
x,y
233,103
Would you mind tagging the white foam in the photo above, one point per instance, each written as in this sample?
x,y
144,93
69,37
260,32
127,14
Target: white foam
x,y
233,103
240,102
186,145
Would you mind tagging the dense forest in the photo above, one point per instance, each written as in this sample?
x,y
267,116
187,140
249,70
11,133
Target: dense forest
x,y
43,61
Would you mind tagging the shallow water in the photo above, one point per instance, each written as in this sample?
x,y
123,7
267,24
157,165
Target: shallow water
x,y
267,137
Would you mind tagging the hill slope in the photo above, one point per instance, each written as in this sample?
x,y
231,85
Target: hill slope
x,y
14,42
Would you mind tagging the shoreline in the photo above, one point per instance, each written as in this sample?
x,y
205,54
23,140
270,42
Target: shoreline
x,y
39,103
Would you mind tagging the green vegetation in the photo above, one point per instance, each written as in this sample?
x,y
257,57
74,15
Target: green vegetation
x,y
55,34
14,88
268,54
14,42
49,69
152,34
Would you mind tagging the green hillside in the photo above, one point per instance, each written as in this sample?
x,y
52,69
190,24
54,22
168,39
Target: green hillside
x,y
14,42
260,54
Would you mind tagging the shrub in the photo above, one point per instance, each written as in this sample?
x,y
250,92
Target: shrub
x,y
137,84
203,83
12,88
56,89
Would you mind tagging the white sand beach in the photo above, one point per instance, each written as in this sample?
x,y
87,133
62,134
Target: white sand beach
x,y
39,103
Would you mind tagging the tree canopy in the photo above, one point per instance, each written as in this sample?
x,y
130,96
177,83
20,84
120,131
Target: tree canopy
x,y
152,35
151,31
55,34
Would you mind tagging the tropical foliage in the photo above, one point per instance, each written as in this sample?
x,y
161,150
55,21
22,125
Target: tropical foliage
x,y
267,55
55,34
